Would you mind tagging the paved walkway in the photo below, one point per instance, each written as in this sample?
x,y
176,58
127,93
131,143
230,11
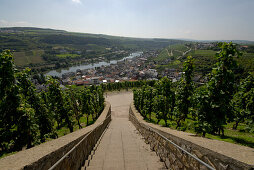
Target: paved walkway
x,y
122,147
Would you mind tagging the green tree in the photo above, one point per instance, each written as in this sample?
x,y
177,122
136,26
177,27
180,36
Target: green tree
x,y
59,104
164,87
75,104
148,101
160,109
35,118
86,107
101,99
9,101
203,112
215,108
221,86
27,129
184,92
243,101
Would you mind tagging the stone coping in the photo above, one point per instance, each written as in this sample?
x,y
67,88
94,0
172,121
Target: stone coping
x,y
53,149
224,150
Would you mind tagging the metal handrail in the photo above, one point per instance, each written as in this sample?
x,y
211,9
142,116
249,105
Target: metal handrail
x,y
74,147
179,147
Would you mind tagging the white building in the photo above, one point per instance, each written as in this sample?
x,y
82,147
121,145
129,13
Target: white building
x,y
152,73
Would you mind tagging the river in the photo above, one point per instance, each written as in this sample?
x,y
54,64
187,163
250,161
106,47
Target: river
x,y
59,72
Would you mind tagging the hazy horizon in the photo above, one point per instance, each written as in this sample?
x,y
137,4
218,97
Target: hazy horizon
x,y
172,19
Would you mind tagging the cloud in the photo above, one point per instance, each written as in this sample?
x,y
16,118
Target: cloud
x,y
4,23
187,32
76,1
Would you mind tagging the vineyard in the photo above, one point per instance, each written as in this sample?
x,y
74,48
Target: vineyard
x,y
29,117
126,85
223,101
221,108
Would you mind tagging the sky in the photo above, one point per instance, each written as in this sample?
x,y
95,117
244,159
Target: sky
x,y
178,19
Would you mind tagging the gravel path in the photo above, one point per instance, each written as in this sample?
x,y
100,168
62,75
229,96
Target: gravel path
x,y
122,147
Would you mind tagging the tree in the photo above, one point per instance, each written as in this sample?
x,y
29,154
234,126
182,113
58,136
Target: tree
x,y
159,103
164,87
243,101
59,104
27,129
101,99
35,118
85,103
203,111
184,92
9,101
215,108
75,105
148,101
27,117
221,86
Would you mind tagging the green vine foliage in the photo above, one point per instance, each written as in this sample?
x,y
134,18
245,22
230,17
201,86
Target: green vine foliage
x,y
213,102
126,85
28,117
159,99
208,107
58,107
184,92
10,101
74,101
243,103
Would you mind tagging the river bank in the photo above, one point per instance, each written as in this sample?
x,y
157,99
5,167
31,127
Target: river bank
x,y
60,72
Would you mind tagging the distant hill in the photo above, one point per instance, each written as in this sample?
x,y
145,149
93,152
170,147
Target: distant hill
x,y
29,38
44,49
241,42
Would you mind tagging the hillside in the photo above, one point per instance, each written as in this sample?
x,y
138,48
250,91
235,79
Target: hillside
x,y
172,57
45,49
26,38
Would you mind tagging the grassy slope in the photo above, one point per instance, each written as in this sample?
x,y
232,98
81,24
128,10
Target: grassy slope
x,y
203,53
26,57
171,60
67,55
64,130
247,61
162,56
204,60
176,49
238,136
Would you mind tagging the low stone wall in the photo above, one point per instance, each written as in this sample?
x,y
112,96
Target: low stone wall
x,y
173,156
47,154
76,157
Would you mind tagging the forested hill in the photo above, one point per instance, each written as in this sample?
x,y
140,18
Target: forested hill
x,y
27,38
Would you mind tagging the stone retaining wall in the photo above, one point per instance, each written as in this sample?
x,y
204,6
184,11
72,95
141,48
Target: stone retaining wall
x,y
76,157
175,158
47,154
